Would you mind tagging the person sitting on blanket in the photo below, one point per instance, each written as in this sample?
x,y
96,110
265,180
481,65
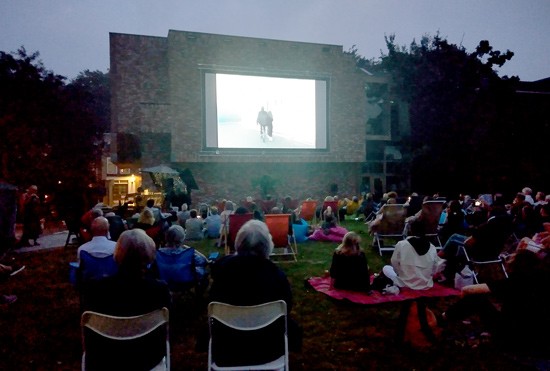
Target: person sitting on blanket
x,y
349,269
329,231
414,261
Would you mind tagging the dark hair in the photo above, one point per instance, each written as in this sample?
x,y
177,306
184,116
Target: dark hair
x,y
150,202
193,213
417,228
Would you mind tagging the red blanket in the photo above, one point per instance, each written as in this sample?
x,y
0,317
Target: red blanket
x,y
323,285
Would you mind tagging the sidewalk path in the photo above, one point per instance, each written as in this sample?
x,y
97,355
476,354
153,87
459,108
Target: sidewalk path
x,y
53,236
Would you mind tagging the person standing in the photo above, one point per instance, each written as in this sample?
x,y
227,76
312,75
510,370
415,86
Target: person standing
x,y
31,218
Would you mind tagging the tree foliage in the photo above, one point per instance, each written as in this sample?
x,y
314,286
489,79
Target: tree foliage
x,y
52,131
459,110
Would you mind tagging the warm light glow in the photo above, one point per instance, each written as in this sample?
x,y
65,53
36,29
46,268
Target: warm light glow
x,y
59,182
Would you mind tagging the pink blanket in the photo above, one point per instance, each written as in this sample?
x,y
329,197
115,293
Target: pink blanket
x,y
323,285
335,234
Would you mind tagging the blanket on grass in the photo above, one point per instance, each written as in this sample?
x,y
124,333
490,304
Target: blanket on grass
x,y
323,284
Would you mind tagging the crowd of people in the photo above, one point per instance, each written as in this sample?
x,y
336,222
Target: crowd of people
x,y
483,227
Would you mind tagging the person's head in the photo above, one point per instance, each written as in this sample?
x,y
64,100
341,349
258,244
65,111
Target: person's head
x,y
254,239
526,191
350,244
175,235
392,194
184,207
193,213
134,251
32,189
100,226
150,202
249,199
146,217
355,199
276,210
329,198
417,228
229,206
455,207
96,212
213,210
545,210
540,196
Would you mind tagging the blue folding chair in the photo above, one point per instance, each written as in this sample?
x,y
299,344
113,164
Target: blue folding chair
x,y
177,270
93,268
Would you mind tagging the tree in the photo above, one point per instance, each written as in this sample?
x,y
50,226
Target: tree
x,y
456,102
52,131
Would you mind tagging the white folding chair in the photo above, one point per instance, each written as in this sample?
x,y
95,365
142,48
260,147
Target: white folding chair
x,y
245,320
123,332
477,265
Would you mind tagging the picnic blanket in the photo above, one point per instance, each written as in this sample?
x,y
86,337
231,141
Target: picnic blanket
x,y
323,284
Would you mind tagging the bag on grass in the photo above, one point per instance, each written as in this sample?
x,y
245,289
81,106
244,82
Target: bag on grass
x,y
464,278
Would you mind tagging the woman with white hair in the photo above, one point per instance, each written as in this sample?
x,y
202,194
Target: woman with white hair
x,y
250,278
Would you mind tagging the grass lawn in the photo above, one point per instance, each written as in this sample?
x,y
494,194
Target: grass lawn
x,y
41,330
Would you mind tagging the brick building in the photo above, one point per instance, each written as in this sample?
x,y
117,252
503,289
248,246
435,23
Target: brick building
x,y
160,113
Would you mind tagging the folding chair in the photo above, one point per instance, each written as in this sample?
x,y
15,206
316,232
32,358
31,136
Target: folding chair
x,y
282,234
93,268
307,210
248,337
430,215
125,343
486,270
177,270
391,226
236,221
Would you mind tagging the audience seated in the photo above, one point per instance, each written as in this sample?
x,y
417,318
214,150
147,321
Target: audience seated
x,y
193,227
521,325
131,292
373,225
150,204
414,261
329,231
183,215
454,221
99,246
349,269
213,223
86,223
146,220
117,225
224,216
175,236
250,278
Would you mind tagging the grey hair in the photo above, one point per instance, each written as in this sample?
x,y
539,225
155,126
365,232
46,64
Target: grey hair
x,y
254,239
134,250
175,235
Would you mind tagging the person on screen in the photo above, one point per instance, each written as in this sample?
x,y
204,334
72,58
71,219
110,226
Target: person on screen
x,y
270,125
262,120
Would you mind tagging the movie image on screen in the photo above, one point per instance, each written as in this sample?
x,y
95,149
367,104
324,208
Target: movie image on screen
x,y
261,112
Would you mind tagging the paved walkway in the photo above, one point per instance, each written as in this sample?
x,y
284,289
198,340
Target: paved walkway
x,y
52,237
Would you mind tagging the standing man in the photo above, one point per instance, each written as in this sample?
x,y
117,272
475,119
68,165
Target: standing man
x,y
31,217
262,120
269,124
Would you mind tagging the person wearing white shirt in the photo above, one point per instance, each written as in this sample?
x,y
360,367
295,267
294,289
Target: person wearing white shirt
x,y
100,246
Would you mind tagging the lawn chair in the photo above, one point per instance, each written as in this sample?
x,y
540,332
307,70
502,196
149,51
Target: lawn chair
x,y
94,268
177,270
125,343
235,330
391,226
307,210
430,215
486,270
236,221
282,234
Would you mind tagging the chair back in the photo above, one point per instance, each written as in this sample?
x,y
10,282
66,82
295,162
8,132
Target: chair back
x,y
393,219
308,209
282,234
248,337
236,221
430,215
125,343
93,268
176,270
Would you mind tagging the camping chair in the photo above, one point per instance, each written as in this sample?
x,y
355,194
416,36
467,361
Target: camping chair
x,y
125,343
333,205
307,210
430,215
238,336
391,226
177,270
486,270
236,221
92,268
282,235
